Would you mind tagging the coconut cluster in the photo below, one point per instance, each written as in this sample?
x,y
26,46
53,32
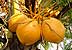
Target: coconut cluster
x,y
30,30
30,26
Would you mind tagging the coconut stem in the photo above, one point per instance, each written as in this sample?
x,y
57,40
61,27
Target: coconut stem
x,y
51,8
30,7
35,8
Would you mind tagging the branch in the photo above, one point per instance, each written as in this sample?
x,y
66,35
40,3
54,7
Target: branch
x,y
65,9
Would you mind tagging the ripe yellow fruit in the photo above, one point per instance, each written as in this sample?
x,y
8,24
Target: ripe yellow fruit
x,y
53,30
28,33
15,20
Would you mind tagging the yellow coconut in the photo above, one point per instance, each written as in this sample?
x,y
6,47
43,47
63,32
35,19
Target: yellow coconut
x,y
15,20
28,33
53,30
